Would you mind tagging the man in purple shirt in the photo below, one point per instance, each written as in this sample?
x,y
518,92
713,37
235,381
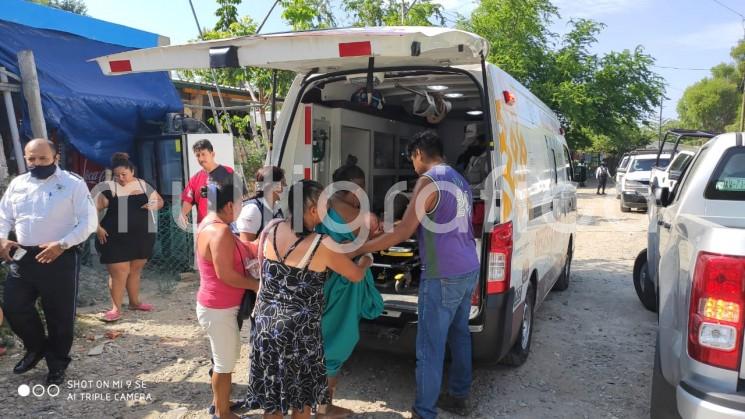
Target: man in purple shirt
x,y
450,268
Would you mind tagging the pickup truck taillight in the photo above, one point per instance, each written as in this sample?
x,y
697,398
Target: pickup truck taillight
x,y
500,259
715,325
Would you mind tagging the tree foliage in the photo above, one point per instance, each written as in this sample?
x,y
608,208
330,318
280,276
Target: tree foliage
x,y
303,15
600,99
709,104
227,14
74,6
388,13
257,81
518,34
713,103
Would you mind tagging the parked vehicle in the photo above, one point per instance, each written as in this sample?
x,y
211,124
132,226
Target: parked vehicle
x,y
666,176
700,287
635,183
620,171
364,91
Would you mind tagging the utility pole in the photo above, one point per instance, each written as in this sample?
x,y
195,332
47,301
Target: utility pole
x,y
742,104
659,135
403,12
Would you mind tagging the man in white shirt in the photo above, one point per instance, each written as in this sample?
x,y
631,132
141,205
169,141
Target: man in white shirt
x,y
601,174
258,211
51,212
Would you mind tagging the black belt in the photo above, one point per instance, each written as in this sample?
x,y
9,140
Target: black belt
x,y
32,251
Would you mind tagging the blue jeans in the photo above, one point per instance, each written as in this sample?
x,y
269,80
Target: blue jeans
x,y
444,306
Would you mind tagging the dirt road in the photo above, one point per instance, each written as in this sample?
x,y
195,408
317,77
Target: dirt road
x,y
591,355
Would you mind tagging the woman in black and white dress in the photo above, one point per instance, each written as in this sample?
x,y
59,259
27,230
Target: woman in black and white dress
x,y
287,370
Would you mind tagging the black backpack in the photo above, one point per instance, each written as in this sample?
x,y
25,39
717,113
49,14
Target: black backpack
x,y
256,201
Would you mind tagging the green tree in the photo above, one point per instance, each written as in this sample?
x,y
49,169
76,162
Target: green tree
x,y
257,81
74,6
727,72
710,104
518,34
388,13
227,14
303,15
600,99
713,103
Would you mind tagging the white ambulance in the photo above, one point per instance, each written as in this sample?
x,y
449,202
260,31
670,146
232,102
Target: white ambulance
x,y
366,92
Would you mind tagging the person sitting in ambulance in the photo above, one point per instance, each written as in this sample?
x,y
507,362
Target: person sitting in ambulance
x,y
473,163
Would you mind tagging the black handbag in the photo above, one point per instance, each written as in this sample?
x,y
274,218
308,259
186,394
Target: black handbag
x,y
248,302
245,311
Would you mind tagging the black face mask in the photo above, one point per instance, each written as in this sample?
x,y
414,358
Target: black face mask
x,y
43,172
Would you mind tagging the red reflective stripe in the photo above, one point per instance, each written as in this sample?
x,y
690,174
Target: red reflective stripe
x,y
496,287
308,125
120,66
355,49
307,173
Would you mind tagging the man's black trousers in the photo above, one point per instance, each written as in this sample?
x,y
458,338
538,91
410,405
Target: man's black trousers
x,y
57,285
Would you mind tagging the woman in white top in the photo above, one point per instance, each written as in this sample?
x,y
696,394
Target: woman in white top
x,y
259,210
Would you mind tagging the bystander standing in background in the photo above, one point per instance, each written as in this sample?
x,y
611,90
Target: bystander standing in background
x,y
602,176
211,172
126,235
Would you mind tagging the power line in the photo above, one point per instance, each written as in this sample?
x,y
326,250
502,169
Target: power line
x,y
267,17
681,68
674,87
218,120
729,8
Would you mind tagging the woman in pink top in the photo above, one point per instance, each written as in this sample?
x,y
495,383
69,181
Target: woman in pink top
x,y
223,280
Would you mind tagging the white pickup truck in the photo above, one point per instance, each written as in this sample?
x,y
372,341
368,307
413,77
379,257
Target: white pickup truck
x,y
700,287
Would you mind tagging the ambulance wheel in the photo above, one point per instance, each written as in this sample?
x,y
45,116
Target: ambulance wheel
x,y
563,282
519,352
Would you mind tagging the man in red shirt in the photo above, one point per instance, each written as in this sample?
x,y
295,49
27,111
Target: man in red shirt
x,y
211,172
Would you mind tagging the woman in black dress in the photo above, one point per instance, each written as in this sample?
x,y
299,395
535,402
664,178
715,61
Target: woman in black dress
x,y
288,370
126,234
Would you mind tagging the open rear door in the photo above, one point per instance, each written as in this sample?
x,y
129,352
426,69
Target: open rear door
x,y
302,52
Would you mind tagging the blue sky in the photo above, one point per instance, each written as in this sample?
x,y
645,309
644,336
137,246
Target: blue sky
x,y
678,33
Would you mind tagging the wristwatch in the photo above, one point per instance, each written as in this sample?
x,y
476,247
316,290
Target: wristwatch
x,y
63,245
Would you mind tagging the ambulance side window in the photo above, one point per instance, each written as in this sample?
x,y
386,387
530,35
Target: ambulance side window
x,y
568,164
556,173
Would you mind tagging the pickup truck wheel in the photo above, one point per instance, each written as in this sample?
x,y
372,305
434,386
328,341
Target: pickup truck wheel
x,y
643,284
623,207
519,352
563,282
663,404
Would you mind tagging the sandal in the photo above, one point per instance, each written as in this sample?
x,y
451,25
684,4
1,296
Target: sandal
x,y
111,316
142,307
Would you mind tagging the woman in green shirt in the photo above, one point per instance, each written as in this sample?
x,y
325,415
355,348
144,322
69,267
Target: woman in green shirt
x,y
346,302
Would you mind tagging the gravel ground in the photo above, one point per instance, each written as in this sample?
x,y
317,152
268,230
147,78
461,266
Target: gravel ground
x,y
591,353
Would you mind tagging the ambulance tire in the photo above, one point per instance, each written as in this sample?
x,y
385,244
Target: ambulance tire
x,y
519,352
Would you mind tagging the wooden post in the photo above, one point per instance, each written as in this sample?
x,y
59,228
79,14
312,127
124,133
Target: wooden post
x,y
4,176
30,83
215,114
14,135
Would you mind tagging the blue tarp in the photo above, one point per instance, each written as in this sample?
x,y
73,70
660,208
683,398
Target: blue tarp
x,y
97,114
